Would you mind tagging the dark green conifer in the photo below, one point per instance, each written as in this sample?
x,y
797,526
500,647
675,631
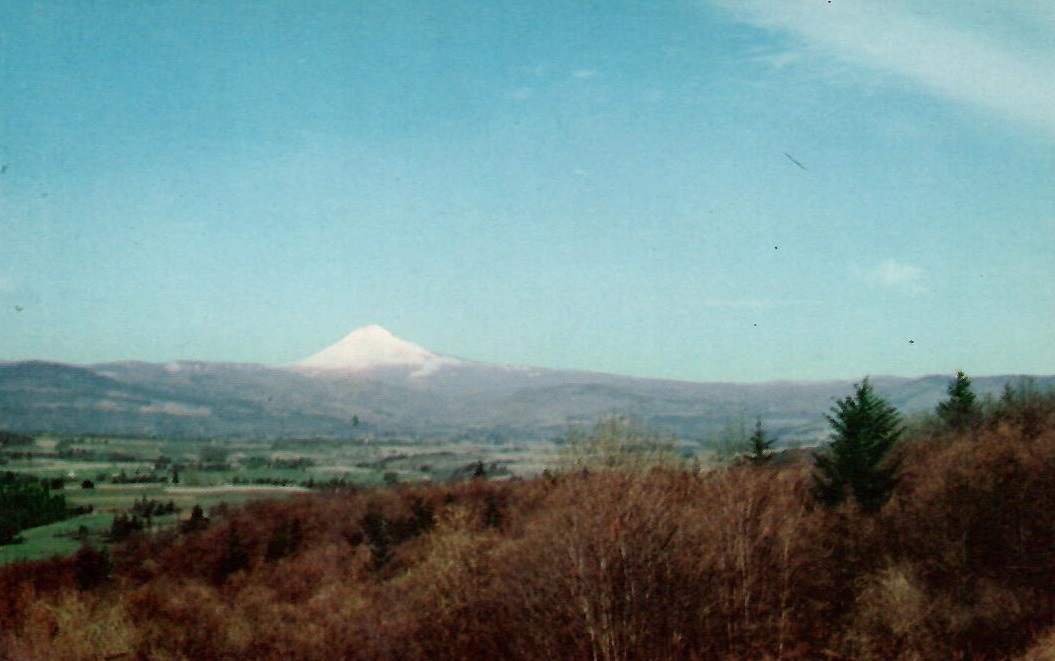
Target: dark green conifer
x,y
864,431
761,446
961,410
91,566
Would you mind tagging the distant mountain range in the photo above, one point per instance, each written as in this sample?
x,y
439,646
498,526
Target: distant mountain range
x,y
373,383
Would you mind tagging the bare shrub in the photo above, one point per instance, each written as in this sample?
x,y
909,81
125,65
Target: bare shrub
x,y
666,564
975,520
1043,649
72,627
617,444
449,596
893,618
760,543
179,620
609,564
643,560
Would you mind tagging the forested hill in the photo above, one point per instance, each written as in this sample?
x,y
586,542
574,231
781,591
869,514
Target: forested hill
x,y
199,399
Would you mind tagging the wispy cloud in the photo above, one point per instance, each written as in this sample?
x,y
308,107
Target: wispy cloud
x,y
894,275
991,55
6,285
779,60
584,73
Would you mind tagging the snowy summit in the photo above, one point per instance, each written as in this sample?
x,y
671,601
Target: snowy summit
x,y
371,347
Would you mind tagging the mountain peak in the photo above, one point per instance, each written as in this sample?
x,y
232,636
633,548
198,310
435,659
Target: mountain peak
x,y
370,347
372,329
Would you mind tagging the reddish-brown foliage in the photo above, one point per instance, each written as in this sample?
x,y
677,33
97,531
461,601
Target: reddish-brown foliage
x,y
652,564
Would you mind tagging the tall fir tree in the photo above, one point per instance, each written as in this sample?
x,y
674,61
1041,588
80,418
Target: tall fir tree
x,y
865,428
961,410
760,445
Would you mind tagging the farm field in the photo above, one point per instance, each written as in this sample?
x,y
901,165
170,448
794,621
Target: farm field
x,y
110,474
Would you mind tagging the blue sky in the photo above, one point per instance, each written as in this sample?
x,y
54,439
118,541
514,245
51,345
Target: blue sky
x,y
712,190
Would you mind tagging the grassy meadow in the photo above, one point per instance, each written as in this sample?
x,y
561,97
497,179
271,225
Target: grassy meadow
x,y
211,473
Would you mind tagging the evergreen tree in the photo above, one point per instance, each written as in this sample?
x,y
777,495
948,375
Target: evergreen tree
x,y
761,446
961,410
27,502
91,566
234,558
377,529
285,540
864,430
124,525
197,520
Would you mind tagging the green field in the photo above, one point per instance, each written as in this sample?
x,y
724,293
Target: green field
x,y
55,539
65,537
210,472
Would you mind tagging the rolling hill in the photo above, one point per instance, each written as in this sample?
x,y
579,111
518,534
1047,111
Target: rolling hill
x,y
373,383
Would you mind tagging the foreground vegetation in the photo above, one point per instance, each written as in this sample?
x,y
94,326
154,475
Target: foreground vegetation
x,y
621,558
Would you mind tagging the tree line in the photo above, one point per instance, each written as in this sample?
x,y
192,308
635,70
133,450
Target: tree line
x,y
27,502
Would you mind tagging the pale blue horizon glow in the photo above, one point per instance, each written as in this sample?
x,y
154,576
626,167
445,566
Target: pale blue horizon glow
x,y
710,190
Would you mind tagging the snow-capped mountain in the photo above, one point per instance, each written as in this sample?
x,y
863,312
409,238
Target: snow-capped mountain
x,y
371,347
372,382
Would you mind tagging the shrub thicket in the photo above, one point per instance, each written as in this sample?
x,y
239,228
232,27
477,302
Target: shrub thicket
x,y
659,562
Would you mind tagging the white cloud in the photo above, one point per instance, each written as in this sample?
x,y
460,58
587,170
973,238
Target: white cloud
x,y
6,285
894,275
522,94
779,61
992,55
584,73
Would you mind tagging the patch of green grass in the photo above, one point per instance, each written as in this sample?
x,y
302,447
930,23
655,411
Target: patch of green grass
x,y
295,474
115,497
187,497
58,538
122,497
61,538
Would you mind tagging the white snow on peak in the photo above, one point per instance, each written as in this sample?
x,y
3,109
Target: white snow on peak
x,y
373,346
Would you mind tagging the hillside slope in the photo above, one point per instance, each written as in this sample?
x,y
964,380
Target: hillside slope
x,y
391,386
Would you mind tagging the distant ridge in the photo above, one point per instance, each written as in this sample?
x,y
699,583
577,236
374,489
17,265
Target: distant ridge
x,y
374,384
